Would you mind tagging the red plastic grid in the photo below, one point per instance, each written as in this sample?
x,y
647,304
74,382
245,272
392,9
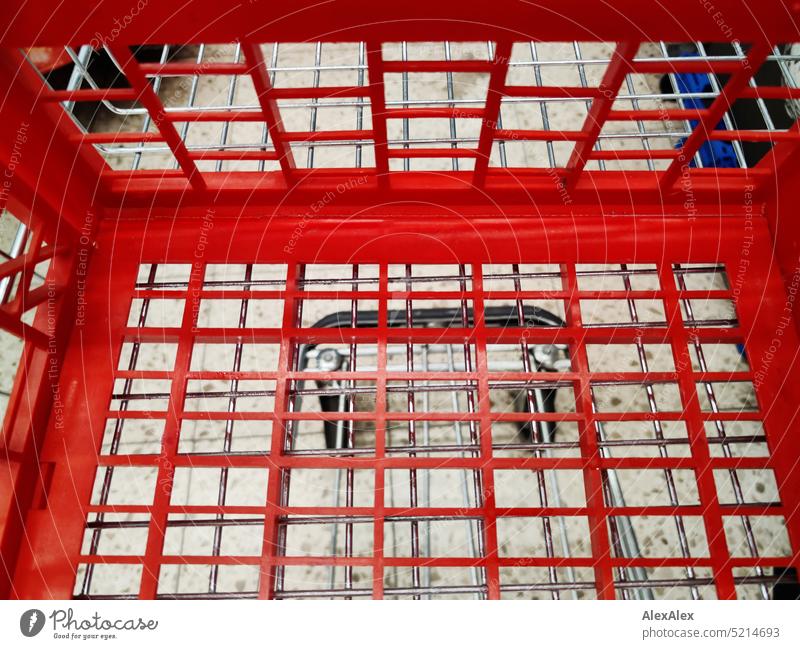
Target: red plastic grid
x,y
64,473
736,83
49,564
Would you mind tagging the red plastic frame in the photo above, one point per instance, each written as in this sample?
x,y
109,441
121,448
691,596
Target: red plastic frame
x,y
62,189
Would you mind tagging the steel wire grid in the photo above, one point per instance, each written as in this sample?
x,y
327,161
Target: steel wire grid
x,y
469,459
439,413
622,95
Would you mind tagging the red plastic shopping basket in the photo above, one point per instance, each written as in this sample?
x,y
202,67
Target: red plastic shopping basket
x,y
505,293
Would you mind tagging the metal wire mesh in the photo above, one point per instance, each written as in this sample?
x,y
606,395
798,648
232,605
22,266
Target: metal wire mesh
x,y
216,111
413,411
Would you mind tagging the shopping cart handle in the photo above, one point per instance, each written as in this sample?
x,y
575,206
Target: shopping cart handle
x,y
495,317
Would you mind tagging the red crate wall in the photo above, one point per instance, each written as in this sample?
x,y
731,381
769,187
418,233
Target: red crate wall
x,y
154,217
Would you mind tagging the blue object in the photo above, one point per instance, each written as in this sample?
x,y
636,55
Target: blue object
x,y
713,154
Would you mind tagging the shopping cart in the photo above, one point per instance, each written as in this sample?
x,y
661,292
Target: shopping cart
x,y
323,303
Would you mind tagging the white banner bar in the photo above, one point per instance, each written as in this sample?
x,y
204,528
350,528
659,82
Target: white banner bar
x,y
229,624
